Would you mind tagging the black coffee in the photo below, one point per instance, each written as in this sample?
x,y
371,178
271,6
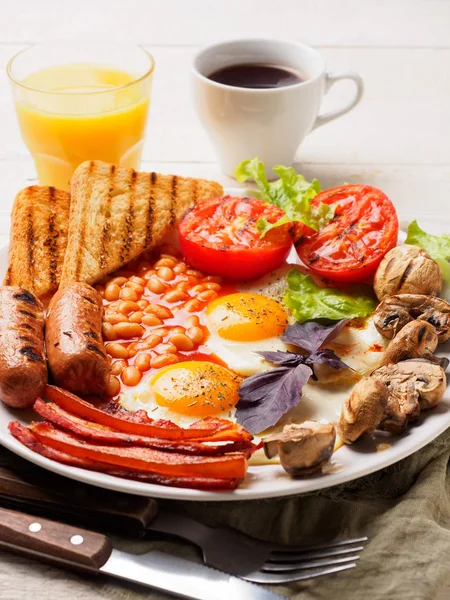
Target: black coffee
x,y
256,76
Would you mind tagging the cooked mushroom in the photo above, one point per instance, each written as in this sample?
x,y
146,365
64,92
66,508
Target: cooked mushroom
x,y
417,339
363,410
303,448
395,312
407,270
413,385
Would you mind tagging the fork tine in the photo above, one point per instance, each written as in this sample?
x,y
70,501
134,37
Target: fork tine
x,y
274,578
297,549
309,564
310,555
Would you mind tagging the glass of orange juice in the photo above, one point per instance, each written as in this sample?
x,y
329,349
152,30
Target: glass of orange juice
x,y
81,101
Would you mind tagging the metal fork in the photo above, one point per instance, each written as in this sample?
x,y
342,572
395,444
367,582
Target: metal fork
x,y
259,562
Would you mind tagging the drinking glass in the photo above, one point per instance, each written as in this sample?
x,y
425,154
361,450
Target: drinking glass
x,y
81,101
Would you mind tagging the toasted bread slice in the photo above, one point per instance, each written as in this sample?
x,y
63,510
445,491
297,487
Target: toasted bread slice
x,y
39,227
117,213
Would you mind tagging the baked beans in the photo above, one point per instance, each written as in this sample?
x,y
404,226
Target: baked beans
x,y
181,342
129,330
175,296
164,360
113,387
120,281
155,285
128,307
165,273
131,376
128,294
208,295
160,311
168,348
169,262
195,334
116,350
150,341
117,366
143,361
136,317
140,325
109,333
151,320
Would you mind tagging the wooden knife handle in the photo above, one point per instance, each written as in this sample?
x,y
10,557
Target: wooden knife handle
x,y
37,536
27,487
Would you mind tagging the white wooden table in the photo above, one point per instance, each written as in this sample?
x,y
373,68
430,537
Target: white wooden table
x,y
397,139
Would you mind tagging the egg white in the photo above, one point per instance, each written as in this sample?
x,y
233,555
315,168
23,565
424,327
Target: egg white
x,y
243,357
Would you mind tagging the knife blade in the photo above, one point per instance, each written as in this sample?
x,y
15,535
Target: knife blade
x,y
93,552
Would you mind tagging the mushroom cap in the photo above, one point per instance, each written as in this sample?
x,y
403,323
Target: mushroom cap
x,y
363,410
407,270
303,448
428,379
413,385
417,339
394,312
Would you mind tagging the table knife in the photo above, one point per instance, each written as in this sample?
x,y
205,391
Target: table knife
x,y
40,492
91,552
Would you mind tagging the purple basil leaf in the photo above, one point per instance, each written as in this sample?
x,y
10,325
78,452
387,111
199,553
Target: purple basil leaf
x,y
285,359
265,397
312,335
326,357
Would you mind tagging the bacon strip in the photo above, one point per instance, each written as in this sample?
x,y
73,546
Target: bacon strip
x,y
26,437
102,434
209,429
171,464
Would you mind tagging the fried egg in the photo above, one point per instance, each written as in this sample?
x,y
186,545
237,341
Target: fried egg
x,y
242,324
186,392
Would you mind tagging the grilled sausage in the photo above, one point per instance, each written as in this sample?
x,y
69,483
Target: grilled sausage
x,y
76,356
23,369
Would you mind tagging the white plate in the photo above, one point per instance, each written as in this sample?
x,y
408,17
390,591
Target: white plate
x,y
270,481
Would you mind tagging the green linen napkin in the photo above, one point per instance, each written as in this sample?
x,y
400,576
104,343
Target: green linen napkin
x,y
403,509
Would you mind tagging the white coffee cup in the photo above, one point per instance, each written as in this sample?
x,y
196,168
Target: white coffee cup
x,y
268,123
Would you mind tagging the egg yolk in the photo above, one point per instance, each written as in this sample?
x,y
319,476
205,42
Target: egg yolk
x,y
245,317
196,388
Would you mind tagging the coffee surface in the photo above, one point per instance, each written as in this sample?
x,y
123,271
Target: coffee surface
x,y
256,76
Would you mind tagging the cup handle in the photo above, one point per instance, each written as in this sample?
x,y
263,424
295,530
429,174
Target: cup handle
x,y
330,80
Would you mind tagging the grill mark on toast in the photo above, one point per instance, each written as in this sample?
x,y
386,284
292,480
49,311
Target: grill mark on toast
x,y
84,212
8,277
104,256
52,240
129,221
30,242
174,200
149,221
194,192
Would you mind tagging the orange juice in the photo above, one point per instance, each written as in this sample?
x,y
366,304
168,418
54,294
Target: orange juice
x,y
72,113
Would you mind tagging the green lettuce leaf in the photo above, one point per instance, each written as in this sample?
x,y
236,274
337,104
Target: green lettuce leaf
x,y
308,301
437,246
291,192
